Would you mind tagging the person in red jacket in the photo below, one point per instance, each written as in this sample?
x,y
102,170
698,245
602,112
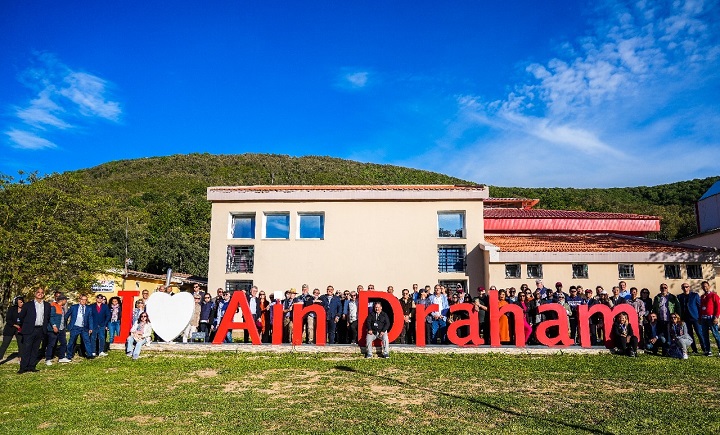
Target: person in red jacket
x,y
709,316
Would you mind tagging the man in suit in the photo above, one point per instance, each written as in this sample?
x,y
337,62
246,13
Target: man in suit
x,y
333,311
690,314
254,305
80,323
34,318
101,319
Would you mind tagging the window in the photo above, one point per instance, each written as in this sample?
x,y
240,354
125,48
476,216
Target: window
x,y
512,271
451,224
277,226
311,226
233,286
240,259
694,271
534,271
580,270
626,271
452,285
672,271
243,226
451,258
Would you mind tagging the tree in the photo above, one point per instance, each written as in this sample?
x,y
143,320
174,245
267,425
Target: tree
x,y
52,233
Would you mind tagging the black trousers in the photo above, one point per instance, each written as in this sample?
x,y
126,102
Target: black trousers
x,y
31,348
6,342
353,331
626,347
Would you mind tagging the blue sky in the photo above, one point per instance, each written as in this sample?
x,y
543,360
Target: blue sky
x,y
522,93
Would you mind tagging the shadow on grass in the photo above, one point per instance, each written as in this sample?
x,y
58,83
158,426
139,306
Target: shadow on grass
x,y
474,401
9,358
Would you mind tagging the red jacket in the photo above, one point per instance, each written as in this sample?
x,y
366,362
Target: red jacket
x,y
710,304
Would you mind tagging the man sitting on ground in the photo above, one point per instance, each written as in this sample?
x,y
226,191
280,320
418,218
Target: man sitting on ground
x,y
378,324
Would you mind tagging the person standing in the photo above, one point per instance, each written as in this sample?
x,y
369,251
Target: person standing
x,y
709,315
408,307
34,319
333,311
439,317
80,323
100,314
690,314
115,316
56,331
12,326
254,304
351,317
665,305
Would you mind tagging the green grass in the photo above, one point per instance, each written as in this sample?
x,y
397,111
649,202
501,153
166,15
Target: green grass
x,y
409,393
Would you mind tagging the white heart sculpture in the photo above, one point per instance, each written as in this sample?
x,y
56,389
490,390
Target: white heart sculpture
x,y
170,315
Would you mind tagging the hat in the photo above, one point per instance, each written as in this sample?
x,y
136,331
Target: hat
x,y
604,292
558,284
62,297
293,291
588,290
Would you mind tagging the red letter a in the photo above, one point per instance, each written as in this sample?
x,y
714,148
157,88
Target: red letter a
x,y
227,322
472,322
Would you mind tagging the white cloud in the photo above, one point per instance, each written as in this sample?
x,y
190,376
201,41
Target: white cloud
x,y
28,141
64,100
620,106
357,79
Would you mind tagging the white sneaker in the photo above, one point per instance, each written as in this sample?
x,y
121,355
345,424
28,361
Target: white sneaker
x,y
48,362
64,360
93,355
102,354
685,356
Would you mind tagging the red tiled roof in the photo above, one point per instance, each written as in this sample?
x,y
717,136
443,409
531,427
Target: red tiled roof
x,y
586,243
518,213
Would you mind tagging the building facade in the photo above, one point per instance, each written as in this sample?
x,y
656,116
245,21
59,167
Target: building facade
x,y
280,237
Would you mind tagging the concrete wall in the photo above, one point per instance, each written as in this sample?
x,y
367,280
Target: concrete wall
x,y
379,242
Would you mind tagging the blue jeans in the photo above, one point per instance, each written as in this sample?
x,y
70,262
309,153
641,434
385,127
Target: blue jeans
x,y
709,326
82,332
114,330
331,326
134,346
694,325
52,339
97,340
438,327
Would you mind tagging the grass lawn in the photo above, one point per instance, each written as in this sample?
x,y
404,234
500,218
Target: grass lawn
x,y
196,393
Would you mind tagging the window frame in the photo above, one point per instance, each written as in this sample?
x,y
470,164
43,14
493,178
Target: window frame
x,y
446,267
699,267
461,213
268,214
248,249
676,267
631,269
244,284
518,275
584,275
300,215
243,215
539,275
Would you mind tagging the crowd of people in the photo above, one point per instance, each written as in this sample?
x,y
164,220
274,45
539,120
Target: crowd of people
x,y
670,324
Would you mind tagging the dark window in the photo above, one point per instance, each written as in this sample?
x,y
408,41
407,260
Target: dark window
x,y
694,271
512,271
580,270
626,271
534,271
451,258
240,259
672,271
233,286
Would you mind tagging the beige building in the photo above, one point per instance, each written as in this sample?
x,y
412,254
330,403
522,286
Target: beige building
x,y
595,259
278,237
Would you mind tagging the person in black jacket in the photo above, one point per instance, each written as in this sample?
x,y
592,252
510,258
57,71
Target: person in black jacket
x,y
12,326
34,319
378,324
625,339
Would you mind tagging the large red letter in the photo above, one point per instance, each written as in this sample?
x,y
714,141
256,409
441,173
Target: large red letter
x,y
278,327
563,337
608,315
472,322
227,322
299,313
397,320
422,311
495,313
127,301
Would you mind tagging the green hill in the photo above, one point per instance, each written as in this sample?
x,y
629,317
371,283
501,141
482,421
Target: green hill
x,y
163,201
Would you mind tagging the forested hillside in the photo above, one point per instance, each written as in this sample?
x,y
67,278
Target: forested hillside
x,y
82,215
